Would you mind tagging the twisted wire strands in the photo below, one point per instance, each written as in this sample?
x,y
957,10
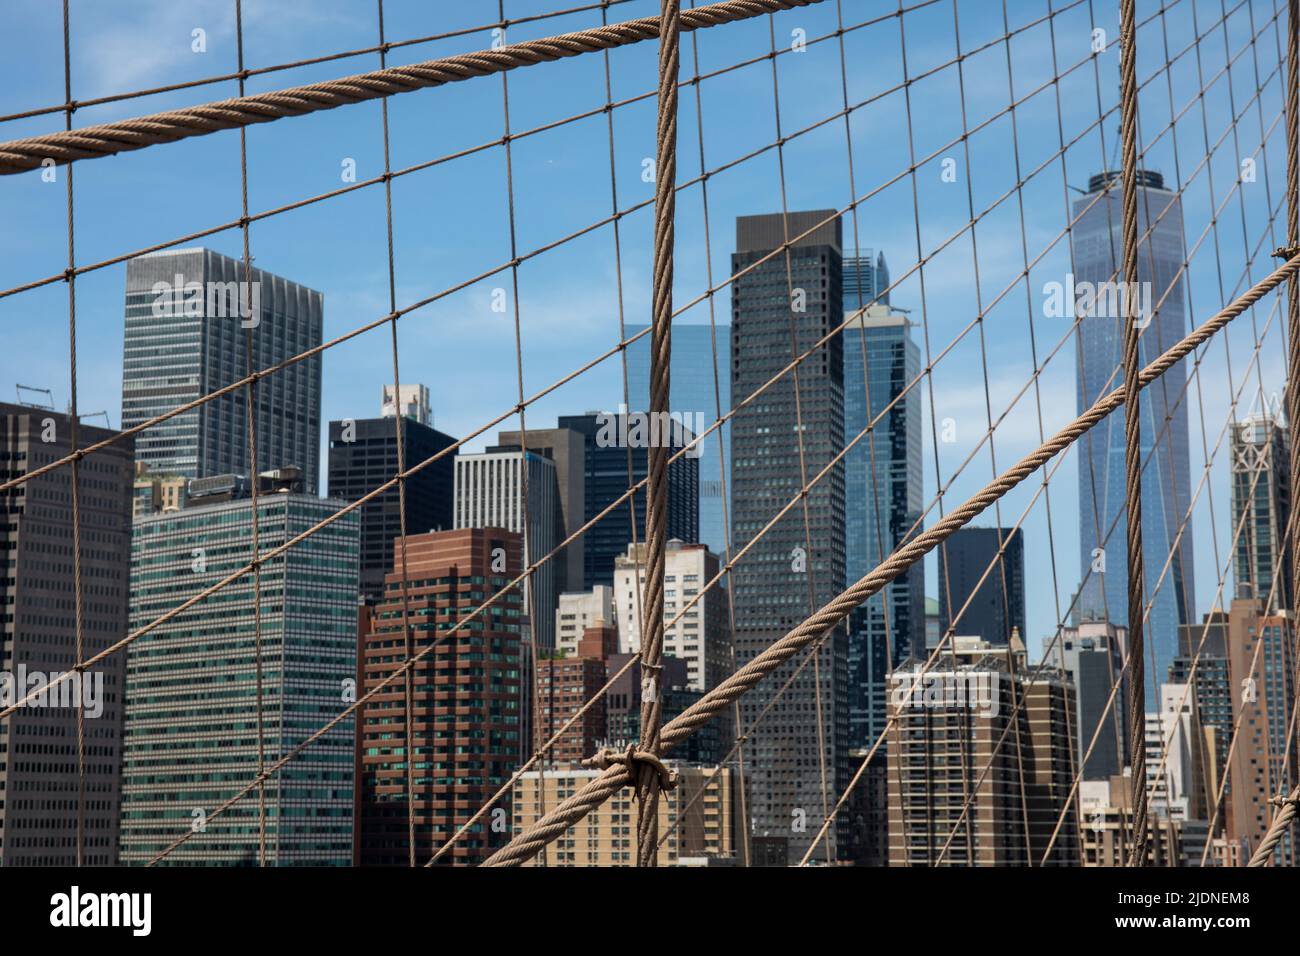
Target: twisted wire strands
x,y
107,139
1132,430
652,639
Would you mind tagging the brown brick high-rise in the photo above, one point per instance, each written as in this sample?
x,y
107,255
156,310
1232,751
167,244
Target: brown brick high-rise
x,y
468,712
565,684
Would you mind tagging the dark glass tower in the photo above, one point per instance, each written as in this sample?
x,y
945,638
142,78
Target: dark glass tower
x,y
606,479
187,335
693,393
775,314
998,604
882,487
362,456
1166,488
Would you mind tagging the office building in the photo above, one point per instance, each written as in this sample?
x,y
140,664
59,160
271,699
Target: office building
x,y
579,611
709,742
780,309
1097,246
1262,764
191,739
410,401
39,780
468,724
980,592
518,491
568,450
866,280
699,390
1205,645
1261,507
882,487
702,637
954,721
615,457
607,835
363,456
565,685
154,493
1092,657
189,315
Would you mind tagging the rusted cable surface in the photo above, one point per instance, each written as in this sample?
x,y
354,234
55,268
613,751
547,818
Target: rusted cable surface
x,y
107,139
649,782
1133,431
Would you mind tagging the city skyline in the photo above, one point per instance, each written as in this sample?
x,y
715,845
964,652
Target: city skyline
x,y
854,591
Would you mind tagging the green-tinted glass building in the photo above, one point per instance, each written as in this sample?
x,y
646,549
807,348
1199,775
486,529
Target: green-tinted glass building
x,y
191,738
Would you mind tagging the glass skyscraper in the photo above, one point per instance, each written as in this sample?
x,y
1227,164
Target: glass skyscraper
x,y
866,278
1166,487
780,581
693,393
191,739
188,315
882,489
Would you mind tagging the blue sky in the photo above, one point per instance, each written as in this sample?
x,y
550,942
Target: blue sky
x,y
451,220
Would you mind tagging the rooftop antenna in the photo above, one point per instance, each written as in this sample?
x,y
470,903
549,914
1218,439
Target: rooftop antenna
x,y
48,406
108,421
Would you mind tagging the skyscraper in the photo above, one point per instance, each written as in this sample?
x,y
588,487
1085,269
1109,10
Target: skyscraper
x,y
518,491
961,737
468,722
186,335
1091,655
776,315
606,466
882,488
1263,762
362,456
39,780
695,392
997,605
702,638
191,715
866,280
568,449
1166,488
1261,495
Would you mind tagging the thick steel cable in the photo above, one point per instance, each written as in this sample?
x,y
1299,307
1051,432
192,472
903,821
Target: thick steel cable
x,y
1287,811
70,104
107,139
1132,428
593,794
552,125
652,636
